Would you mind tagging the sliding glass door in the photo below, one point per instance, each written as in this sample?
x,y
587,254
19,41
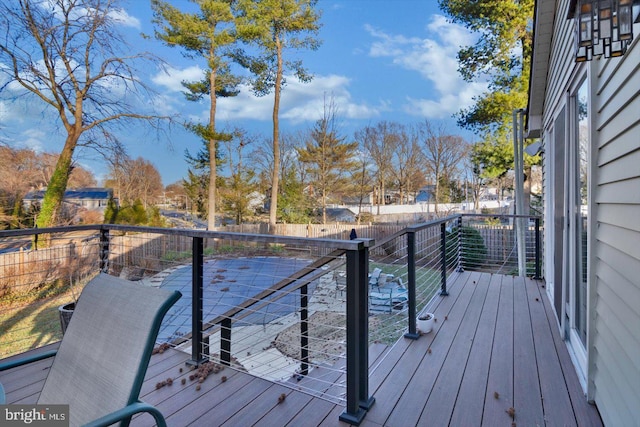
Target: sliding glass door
x,y
576,222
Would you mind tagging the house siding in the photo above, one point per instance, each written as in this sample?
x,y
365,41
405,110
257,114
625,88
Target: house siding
x,y
613,343
615,346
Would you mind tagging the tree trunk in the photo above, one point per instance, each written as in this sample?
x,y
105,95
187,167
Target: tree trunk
x,y
211,217
436,194
273,208
324,206
52,202
527,190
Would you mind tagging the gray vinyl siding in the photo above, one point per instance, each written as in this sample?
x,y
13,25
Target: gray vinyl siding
x,y
615,243
561,64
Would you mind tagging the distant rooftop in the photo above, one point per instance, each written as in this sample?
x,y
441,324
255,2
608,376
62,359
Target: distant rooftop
x,y
93,193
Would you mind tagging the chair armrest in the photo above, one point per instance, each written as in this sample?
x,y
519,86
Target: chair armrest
x,y
27,359
128,411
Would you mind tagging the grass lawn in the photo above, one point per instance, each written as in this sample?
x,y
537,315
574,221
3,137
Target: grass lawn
x,y
389,327
30,326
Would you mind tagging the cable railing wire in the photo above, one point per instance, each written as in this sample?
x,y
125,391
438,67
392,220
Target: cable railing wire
x,y
267,334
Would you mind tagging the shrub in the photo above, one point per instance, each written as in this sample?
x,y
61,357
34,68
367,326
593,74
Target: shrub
x,y
474,251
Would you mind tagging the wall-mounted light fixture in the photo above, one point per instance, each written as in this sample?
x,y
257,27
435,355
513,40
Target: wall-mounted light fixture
x,y
603,27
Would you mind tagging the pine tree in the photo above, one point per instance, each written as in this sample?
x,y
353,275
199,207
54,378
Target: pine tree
x,y
275,26
203,35
328,157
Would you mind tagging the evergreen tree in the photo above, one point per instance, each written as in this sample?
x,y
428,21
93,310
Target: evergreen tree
x,y
501,54
275,26
329,159
295,206
203,35
111,212
238,189
196,189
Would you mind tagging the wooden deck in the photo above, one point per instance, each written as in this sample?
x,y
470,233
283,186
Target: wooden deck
x,y
495,352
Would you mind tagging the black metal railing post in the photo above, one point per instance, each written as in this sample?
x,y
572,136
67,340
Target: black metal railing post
x,y
104,250
304,330
459,268
366,401
358,400
443,259
411,277
197,350
225,342
537,249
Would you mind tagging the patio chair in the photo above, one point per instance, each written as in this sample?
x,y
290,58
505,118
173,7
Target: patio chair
x,y
102,359
374,276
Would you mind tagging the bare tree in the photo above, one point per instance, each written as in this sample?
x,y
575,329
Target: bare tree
x,y
135,180
289,164
473,176
69,55
361,179
380,142
175,194
409,164
78,178
443,153
23,170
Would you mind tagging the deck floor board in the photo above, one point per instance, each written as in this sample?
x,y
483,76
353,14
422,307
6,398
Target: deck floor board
x,y
499,396
473,387
498,348
527,398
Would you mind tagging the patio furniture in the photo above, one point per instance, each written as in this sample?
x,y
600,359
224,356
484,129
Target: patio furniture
x,y
102,359
374,276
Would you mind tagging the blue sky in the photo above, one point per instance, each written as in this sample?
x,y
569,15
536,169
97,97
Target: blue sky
x,y
391,60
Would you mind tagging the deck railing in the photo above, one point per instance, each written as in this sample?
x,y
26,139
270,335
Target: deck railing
x,y
300,311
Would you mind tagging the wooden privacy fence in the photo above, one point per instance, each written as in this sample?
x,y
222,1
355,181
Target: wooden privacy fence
x,y
327,231
147,251
500,242
25,270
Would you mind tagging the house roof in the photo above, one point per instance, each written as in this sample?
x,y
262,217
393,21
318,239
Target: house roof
x,y
90,193
543,22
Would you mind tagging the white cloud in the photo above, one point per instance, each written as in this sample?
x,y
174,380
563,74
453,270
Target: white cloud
x,y
171,78
78,12
4,113
121,16
165,104
300,102
446,105
435,59
34,139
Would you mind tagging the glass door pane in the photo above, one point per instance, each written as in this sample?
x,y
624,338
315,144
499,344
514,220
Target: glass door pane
x,y
581,213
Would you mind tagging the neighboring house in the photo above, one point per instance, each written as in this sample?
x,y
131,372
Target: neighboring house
x,y
256,200
93,199
426,194
354,200
587,116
